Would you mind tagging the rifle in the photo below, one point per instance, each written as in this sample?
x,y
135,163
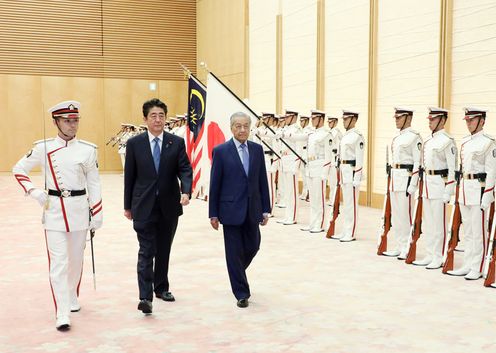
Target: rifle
x,y
488,271
114,137
416,228
454,229
336,196
386,211
490,260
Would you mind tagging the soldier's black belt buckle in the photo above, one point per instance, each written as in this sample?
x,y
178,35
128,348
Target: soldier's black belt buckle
x,y
65,193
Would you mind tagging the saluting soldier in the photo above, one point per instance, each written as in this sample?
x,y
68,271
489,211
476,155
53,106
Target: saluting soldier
x,y
316,180
294,136
405,150
439,163
331,154
181,129
129,131
351,151
71,196
478,167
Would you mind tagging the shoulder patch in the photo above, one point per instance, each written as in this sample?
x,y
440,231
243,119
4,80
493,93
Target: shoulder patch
x,y
453,150
419,145
88,143
361,145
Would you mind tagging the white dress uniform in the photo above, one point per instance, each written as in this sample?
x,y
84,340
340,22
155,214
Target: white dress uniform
x,y
122,147
271,160
69,167
262,132
294,136
351,151
331,153
276,168
405,151
439,163
303,167
316,179
478,167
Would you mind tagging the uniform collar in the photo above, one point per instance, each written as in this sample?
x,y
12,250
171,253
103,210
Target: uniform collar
x,y
480,133
440,132
404,131
64,142
351,130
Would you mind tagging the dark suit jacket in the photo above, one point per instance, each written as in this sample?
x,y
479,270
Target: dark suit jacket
x,y
233,195
141,179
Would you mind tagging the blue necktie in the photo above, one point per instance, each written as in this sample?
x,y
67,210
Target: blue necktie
x,y
156,153
244,158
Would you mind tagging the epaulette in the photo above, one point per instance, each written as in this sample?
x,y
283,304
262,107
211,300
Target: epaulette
x,y
448,135
489,136
88,143
40,141
358,133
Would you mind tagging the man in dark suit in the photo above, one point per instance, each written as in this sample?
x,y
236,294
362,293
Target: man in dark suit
x,y
239,199
153,199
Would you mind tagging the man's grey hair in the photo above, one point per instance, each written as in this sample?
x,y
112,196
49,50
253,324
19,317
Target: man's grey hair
x,y
239,115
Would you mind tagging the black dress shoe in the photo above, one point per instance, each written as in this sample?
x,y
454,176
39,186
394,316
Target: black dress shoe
x,y
167,296
242,303
145,306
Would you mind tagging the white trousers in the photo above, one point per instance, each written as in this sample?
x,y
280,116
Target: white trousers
x,y
434,226
305,189
65,259
474,232
332,180
401,218
316,187
290,196
350,210
123,159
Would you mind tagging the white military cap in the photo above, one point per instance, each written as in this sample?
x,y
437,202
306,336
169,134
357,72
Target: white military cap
x,y
473,112
399,111
291,112
304,117
267,115
435,112
66,109
349,113
330,117
317,112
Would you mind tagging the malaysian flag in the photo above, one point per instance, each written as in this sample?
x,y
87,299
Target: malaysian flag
x,y
197,94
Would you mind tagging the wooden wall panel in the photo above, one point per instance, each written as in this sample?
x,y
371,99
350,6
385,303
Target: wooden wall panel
x,y
221,41
143,39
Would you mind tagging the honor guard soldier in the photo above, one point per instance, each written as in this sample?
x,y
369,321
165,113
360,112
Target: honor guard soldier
x,y
307,129
439,163
263,131
405,149
478,166
277,165
351,151
271,137
294,137
71,203
181,129
331,153
315,164
129,131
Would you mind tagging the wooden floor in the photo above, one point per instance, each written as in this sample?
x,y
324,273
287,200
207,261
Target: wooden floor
x,y
309,294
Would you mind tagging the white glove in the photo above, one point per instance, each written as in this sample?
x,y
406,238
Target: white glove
x,y
487,198
446,198
412,189
40,196
95,223
356,183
